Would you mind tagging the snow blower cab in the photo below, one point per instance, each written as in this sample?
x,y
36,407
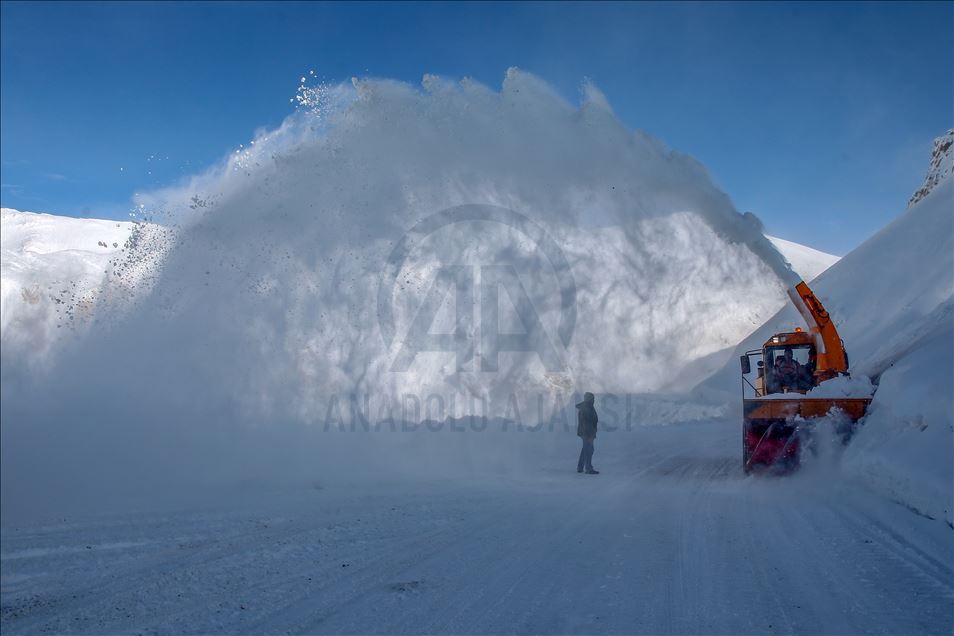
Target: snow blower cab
x,y
788,362
777,406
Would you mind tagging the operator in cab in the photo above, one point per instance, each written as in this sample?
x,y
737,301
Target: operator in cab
x,y
787,369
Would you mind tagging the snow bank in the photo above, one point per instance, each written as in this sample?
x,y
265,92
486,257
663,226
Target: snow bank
x,y
857,386
906,446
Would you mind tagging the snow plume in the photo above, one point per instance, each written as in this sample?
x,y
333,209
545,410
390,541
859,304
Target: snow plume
x,y
384,209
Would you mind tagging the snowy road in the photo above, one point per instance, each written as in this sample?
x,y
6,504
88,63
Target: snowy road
x,y
669,539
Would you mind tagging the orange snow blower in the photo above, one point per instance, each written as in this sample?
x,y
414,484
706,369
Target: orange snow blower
x,y
774,406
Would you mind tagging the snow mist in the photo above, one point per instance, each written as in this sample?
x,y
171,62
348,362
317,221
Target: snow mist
x,y
404,254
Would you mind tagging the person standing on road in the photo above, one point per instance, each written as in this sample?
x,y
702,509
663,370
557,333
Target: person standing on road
x,y
586,429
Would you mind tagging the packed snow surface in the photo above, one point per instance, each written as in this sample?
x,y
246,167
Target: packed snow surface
x,y
670,538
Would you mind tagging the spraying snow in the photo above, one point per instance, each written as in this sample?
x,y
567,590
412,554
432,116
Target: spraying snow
x,y
299,226
621,266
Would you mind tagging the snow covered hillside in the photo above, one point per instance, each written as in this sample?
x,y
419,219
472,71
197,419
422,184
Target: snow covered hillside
x,y
56,275
892,299
51,273
806,261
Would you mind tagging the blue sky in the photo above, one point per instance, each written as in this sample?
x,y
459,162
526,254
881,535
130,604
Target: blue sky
x,y
818,117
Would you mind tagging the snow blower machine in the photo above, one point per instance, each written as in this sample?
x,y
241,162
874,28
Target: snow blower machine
x,y
778,407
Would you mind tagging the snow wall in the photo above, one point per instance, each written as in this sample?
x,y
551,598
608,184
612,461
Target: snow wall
x,y
391,253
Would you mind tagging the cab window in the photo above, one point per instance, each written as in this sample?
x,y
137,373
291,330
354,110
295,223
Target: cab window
x,y
793,374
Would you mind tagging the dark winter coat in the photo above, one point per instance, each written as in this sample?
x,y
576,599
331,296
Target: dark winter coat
x,y
586,418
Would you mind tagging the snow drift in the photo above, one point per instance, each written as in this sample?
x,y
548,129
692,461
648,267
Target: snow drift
x,y
266,308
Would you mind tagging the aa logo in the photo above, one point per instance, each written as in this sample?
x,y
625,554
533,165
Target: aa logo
x,y
474,290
